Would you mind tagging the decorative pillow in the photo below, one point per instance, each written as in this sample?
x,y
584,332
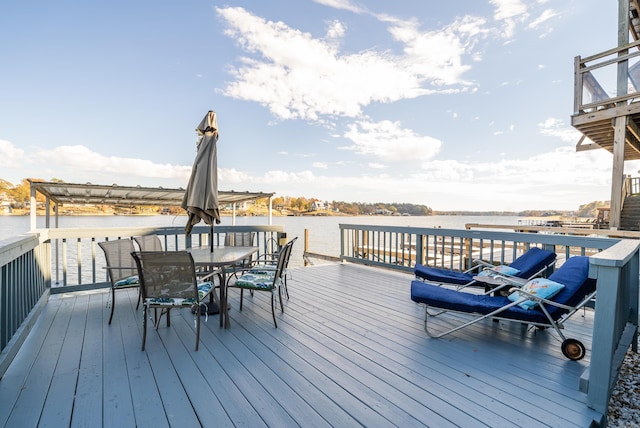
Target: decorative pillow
x,y
132,280
506,270
540,287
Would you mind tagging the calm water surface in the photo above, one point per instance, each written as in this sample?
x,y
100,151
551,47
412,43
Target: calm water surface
x,y
324,237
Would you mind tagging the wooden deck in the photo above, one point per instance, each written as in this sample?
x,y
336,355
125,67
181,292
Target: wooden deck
x,y
350,350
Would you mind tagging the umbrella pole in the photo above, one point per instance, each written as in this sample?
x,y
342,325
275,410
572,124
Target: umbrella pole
x,y
211,237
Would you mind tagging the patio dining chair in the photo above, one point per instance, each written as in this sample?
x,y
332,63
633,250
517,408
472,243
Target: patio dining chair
x,y
121,268
266,278
148,242
168,281
269,262
239,239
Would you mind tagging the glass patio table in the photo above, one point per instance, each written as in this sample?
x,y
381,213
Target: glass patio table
x,y
221,257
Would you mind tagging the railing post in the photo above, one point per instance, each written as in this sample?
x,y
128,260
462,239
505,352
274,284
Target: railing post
x,y
577,90
615,325
601,355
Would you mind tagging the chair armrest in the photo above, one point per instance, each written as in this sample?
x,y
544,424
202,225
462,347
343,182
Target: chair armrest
x,y
528,296
119,268
209,274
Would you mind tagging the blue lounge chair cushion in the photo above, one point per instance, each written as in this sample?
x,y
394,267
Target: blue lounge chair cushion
x,y
528,264
442,275
573,275
532,261
127,282
540,287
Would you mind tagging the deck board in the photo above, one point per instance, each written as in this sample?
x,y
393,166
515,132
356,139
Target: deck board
x,y
350,350
90,375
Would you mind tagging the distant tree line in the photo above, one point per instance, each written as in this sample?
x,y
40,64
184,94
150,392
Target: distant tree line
x,y
359,208
302,204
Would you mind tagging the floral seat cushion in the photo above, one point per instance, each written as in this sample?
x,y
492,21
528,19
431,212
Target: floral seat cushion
x,y
204,289
257,280
263,270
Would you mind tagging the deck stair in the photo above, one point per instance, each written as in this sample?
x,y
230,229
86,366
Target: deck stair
x,y
630,215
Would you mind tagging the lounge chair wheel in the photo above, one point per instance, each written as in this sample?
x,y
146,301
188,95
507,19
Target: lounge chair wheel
x,y
573,349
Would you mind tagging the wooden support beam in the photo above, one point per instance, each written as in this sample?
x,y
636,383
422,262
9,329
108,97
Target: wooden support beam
x,y
586,118
617,177
581,146
634,132
633,15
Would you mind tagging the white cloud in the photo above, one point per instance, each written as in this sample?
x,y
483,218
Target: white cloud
x,y
559,179
341,4
298,76
562,178
506,9
320,165
439,55
544,17
10,155
81,158
335,30
509,13
375,165
554,127
81,164
388,141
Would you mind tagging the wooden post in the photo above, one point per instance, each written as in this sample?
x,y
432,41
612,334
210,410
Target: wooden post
x,y
306,246
620,122
617,176
578,86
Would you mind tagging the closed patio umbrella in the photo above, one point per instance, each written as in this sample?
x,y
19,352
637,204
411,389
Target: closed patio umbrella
x,y
201,196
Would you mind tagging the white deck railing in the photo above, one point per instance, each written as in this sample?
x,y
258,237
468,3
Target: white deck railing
x,y
596,79
34,265
402,248
76,260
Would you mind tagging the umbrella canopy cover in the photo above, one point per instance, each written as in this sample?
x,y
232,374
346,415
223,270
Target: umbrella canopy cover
x,y
201,196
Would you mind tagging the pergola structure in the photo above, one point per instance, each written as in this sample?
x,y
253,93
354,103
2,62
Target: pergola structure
x,y
60,193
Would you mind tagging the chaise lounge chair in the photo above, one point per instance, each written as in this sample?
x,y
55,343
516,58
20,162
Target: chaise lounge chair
x,y
575,291
532,263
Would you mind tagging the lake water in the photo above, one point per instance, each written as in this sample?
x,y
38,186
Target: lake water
x,y
324,237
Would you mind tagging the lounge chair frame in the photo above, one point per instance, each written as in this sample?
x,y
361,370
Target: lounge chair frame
x,y
571,348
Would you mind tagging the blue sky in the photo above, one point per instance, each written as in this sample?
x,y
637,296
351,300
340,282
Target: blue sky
x,y
460,105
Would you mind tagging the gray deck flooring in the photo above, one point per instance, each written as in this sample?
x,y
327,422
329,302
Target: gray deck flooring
x,y
350,350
